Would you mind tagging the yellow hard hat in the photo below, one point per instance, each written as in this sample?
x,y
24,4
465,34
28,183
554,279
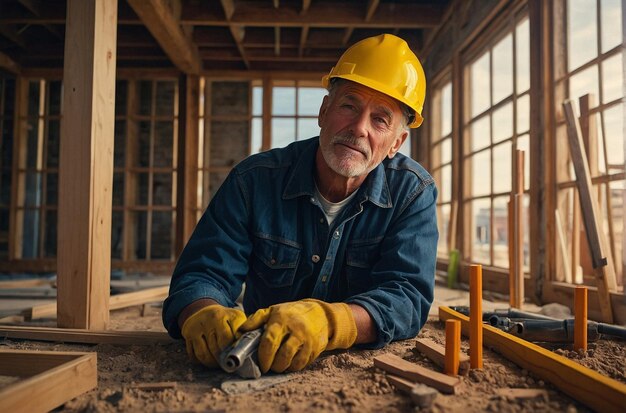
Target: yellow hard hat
x,y
384,63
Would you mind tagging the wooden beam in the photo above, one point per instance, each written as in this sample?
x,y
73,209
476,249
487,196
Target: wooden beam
x,y
86,164
4,285
372,5
411,371
319,14
9,64
602,262
73,335
50,379
116,302
35,7
589,387
159,18
187,177
437,354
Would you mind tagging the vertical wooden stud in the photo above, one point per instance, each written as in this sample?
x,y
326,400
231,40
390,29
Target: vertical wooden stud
x,y
86,164
476,316
580,318
453,347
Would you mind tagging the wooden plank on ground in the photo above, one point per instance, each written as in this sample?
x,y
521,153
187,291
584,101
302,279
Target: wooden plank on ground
x,y
69,335
600,255
411,371
589,387
116,302
437,353
49,379
86,164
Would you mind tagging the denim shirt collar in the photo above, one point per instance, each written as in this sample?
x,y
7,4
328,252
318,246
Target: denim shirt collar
x,y
300,183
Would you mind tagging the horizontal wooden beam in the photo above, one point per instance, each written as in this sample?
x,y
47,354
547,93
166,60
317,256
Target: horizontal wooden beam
x,y
9,64
320,14
598,392
411,371
437,354
116,302
24,283
72,335
50,379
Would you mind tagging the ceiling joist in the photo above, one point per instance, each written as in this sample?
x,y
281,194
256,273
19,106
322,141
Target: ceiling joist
x,y
159,17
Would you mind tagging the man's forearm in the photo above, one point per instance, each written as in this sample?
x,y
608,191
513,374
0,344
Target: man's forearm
x,y
192,308
365,327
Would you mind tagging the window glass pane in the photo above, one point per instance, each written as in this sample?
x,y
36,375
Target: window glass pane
x,y
142,157
582,33
32,195
481,176
502,168
257,135
161,241
500,232
145,97
119,151
503,123
163,144
614,127
33,98
139,219
50,235
583,83
121,92
52,140
480,230
284,101
30,234
117,234
446,109
611,15
162,189
523,114
480,133
165,96
141,192
54,97
446,150
479,86
257,101
307,128
32,144
612,75
229,98
503,69
309,100
283,132
52,188
443,222
118,188
522,58
445,186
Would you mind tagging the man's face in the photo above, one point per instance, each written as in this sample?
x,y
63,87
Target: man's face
x,y
359,128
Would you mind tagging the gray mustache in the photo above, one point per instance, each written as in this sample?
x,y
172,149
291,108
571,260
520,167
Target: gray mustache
x,y
351,141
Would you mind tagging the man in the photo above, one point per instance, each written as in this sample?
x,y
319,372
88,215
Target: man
x,y
335,237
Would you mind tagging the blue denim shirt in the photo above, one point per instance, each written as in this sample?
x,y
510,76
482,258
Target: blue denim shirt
x,y
265,228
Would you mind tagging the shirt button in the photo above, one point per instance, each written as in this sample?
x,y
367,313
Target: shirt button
x,y
315,258
312,200
336,235
273,261
324,278
322,220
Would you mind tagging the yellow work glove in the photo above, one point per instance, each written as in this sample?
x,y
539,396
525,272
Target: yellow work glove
x,y
297,332
210,330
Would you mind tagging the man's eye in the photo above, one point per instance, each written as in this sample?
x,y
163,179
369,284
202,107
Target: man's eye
x,y
381,121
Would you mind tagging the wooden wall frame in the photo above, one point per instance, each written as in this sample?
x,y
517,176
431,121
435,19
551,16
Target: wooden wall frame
x,y
49,378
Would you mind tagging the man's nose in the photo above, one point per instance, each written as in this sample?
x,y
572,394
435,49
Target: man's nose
x,y
360,124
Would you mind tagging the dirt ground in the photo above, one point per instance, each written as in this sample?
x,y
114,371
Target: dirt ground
x,y
343,381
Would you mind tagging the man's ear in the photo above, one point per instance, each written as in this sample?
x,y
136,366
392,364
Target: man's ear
x,y
397,143
323,109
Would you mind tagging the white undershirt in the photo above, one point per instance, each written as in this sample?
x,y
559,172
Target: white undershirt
x,y
331,209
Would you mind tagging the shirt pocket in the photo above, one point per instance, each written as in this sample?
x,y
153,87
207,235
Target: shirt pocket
x,y
361,256
275,261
